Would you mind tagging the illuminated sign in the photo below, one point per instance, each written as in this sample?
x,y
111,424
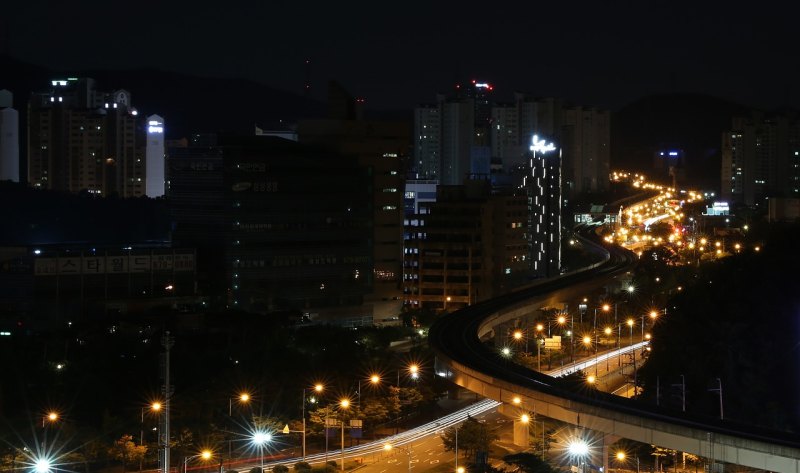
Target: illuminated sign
x,y
155,129
541,145
673,153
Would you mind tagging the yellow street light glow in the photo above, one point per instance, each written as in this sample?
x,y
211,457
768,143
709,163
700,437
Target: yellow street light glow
x,y
414,369
591,379
387,446
53,416
318,387
375,379
620,456
606,307
460,469
587,340
539,327
524,418
607,331
516,400
630,322
244,397
156,406
517,335
561,319
653,314
206,455
345,403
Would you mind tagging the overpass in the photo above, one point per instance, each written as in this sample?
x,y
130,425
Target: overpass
x,y
463,358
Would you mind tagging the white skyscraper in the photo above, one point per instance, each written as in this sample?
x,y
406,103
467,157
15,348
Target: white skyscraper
x,y
154,157
9,138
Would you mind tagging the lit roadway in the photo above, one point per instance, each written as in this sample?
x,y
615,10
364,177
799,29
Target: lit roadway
x,y
424,442
466,360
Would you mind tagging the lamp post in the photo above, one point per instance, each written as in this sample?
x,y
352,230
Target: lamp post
x,y
51,417
243,398
205,455
539,328
261,438
154,407
318,388
343,404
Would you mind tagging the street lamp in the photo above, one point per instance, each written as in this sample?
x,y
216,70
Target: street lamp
x,y
318,388
243,398
205,455
344,404
620,458
388,447
539,328
579,449
154,407
261,438
50,417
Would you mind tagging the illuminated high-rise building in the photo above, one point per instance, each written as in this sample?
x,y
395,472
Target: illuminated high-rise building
x,y
9,138
543,185
452,137
154,157
83,139
584,135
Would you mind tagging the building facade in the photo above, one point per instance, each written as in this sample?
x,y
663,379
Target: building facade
x,y
9,138
277,225
761,159
83,139
382,147
465,247
452,138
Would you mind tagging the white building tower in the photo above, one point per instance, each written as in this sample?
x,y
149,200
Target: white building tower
x,y
154,157
9,138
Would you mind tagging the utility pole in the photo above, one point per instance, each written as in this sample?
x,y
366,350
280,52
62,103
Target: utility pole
x,y
167,342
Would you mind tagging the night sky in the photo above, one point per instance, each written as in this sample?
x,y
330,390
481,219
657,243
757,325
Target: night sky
x,y
398,54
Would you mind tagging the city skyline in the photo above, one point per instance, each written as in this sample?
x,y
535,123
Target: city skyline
x,y
599,55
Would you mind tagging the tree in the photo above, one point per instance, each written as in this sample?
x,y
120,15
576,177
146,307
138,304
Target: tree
x,y
126,451
473,436
529,463
280,469
302,467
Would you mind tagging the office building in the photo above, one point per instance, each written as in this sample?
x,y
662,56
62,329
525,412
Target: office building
x,y
83,139
382,147
278,225
761,158
9,138
543,186
467,246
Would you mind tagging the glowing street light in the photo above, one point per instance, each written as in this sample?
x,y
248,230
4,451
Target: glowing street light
x,y
205,455
261,438
42,465
243,398
579,449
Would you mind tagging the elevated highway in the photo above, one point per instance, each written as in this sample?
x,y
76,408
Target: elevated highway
x,y
463,357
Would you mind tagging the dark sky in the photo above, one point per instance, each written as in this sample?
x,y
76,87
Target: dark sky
x,y
397,54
